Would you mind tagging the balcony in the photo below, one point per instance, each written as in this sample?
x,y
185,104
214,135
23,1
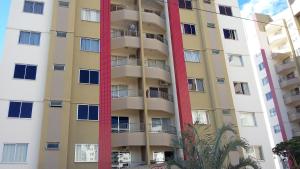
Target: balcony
x,y
289,82
294,116
277,39
124,39
133,134
296,132
157,71
292,99
285,67
160,101
156,45
126,68
280,56
151,18
127,100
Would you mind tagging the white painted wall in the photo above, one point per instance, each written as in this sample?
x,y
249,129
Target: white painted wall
x,y
244,103
24,130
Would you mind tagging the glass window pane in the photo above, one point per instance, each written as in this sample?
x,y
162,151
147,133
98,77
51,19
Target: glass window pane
x,y
19,71
14,109
93,112
82,112
21,152
24,37
28,6
84,76
35,38
38,7
200,86
8,153
95,45
94,77
30,72
85,44
26,110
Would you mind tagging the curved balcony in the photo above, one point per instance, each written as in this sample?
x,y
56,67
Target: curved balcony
x,y
132,134
162,135
125,68
294,116
156,45
285,67
160,101
292,99
275,40
280,56
124,39
158,71
127,100
154,19
124,15
289,82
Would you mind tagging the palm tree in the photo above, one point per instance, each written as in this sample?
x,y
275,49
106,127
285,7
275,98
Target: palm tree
x,y
211,152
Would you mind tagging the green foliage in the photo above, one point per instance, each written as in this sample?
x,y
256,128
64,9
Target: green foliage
x,y
211,152
289,150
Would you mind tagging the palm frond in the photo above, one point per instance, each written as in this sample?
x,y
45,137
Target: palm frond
x,y
245,162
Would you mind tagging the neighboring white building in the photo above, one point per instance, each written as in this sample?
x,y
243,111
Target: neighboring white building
x,y
250,114
22,76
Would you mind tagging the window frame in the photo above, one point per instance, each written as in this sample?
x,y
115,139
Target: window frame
x,y
88,11
29,38
191,25
15,147
25,71
233,34
33,7
89,70
195,80
81,161
206,114
20,109
88,113
189,51
253,119
242,84
90,39
240,58
226,7
181,2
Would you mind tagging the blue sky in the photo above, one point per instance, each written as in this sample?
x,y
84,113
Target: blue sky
x,y
247,8
4,8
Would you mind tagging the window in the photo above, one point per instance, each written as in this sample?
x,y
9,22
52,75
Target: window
x,y
225,10
61,34
261,66
59,67
196,85
241,88
119,91
230,34
159,157
121,159
90,15
200,117
20,109
90,45
119,124
248,119
192,56
25,72
63,4
87,112
236,60
89,76
52,146
161,125
33,7
255,152
220,80
30,38
272,112
268,96
14,153
56,103
185,4
86,153
276,129
188,29
265,81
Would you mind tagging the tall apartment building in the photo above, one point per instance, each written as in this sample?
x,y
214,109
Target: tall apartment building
x,y
275,47
168,64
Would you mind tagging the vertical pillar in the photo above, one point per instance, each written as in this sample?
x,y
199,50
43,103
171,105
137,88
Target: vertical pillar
x,y
183,97
105,88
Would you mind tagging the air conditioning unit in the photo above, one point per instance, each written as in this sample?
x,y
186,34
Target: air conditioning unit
x,y
163,83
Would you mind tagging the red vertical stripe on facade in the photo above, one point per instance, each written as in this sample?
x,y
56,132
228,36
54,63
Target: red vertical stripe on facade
x,y
266,65
179,65
105,88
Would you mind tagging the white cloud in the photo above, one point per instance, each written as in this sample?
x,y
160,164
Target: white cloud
x,y
269,7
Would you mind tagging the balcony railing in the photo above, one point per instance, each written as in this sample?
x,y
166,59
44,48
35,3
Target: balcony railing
x,y
115,33
282,79
157,65
126,93
156,37
291,94
140,127
159,94
124,62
